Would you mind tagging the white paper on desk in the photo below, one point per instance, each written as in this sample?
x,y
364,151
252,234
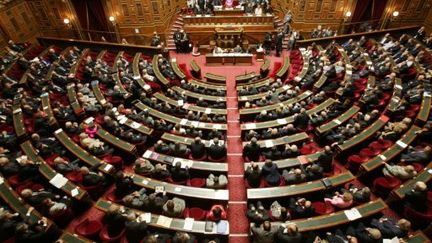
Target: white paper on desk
x,y
401,144
58,180
188,223
74,192
394,240
123,120
178,189
250,125
135,125
429,171
145,182
137,77
427,94
17,111
243,98
1,180
195,123
382,157
369,63
89,120
349,72
286,87
297,78
220,194
352,214
207,111
147,154
108,167
164,221
146,217
221,227
281,121
398,86
183,121
180,102
268,143
217,126
337,122
187,163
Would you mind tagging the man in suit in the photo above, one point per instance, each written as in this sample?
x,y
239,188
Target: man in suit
x,y
252,150
417,197
179,174
288,234
198,149
365,234
325,160
31,233
155,201
217,151
270,173
263,234
258,214
124,184
391,228
301,120
155,41
91,178
36,198
136,229
253,175
279,42
294,176
114,220
301,208
174,208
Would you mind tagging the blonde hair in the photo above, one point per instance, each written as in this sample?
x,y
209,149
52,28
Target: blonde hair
x,y
347,196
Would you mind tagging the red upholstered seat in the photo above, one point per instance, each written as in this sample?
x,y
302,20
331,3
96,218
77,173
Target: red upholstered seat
x,y
385,143
203,158
354,162
216,160
197,182
170,180
112,197
104,236
418,219
367,153
265,184
376,146
88,228
197,213
322,208
74,176
383,185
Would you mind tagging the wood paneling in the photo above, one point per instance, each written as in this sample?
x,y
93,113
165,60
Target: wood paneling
x,y
17,22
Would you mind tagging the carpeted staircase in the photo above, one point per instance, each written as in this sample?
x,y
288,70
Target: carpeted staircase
x,y
178,24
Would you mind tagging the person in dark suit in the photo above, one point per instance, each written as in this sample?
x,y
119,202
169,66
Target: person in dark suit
x,y
365,234
263,233
270,173
36,198
179,174
197,148
31,233
288,234
8,223
279,42
391,228
252,150
325,160
417,197
301,208
155,201
91,177
136,230
253,175
216,151
314,172
183,237
301,120
124,184
7,167
114,220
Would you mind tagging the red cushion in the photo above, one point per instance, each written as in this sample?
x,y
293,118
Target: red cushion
x,y
197,213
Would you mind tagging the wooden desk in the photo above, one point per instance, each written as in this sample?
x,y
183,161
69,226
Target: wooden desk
x,y
46,107
137,73
116,77
192,164
425,176
425,109
291,162
283,121
75,66
342,118
174,224
337,218
294,138
257,110
245,78
284,69
158,74
180,190
18,119
113,140
233,59
176,69
73,238
256,84
208,85
418,237
98,93
189,107
49,173
215,78
198,95
80,153
196,69
265,68
298,189
73,100
123,120
176,120
365,134
17,204
185,140
387,155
